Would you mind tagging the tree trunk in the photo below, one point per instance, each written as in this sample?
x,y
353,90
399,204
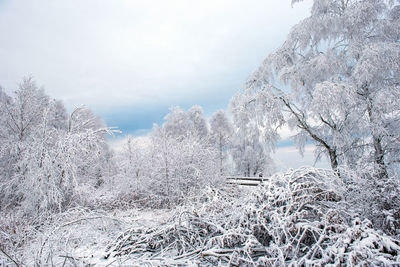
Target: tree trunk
x,y
333,159
379,154
332,152
379,157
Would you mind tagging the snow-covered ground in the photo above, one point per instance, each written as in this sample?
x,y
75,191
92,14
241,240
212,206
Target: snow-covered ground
x,y
81,237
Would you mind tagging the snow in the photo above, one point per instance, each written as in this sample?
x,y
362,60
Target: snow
x,y
67,199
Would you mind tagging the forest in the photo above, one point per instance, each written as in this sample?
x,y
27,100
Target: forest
x,y
69,198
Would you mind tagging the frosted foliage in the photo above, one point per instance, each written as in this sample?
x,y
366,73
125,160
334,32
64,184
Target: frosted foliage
x,y
297,218
4,133
82,119
66,199
180,124
134,164
67,164
60,116
336,80
181,166
220,124
177,123
25,111
48,158
375,199
221,133
169,165
252,141
198,121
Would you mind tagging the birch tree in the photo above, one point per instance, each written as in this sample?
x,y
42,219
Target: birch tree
x,y
199,123
250,152
335,80
221,130
182,160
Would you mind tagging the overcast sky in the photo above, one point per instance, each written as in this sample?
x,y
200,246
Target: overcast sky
x,y
131,60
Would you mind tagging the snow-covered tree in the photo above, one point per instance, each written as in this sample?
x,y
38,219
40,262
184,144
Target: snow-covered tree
x,y
134,161
180,165
8,156
26,109
221,130
170,163
48,156
199,124
336,81
178,156
59,116
177,123
5,100
249,151
23,116
83,120
181,124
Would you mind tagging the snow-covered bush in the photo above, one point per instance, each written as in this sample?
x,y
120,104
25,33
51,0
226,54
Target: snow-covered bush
x,y
375,199
169,165
181,167
71,238
160,170
49,158
297,218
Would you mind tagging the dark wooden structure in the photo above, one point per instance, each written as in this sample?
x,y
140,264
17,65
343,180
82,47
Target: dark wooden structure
x,y
245,181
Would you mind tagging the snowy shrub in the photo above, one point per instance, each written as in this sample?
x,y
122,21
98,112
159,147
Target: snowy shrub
x,y
164,168
181,167
49,158
15,232
65,239
297,218
375,199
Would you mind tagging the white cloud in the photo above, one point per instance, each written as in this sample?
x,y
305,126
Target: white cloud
x,y
132,53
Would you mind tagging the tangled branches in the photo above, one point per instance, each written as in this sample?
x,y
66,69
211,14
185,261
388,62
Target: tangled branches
x,y
69,238
297,218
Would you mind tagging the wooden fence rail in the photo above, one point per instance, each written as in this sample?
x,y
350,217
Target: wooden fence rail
x,y
246,181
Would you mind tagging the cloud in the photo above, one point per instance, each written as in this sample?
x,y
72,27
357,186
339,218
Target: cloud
x,y
128,54
132,51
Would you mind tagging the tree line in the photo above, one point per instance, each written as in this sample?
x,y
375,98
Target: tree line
x,y
51,158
